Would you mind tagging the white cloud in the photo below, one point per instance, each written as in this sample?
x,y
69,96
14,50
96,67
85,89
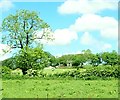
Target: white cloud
x,y
61,37
106,46
86,6
6,51
3,47
5,5
58,55
107,26
3,55
64,36
110,33
89,40
77,52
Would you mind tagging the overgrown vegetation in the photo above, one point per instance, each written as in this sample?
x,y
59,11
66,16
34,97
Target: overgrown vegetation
x,y
89,73
100,65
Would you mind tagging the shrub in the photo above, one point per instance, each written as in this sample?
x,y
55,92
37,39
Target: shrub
x,y
17,72
104,71
92,73
32,72
31,58
6,70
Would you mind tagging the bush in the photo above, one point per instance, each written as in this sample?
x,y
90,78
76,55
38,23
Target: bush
x,y
31,58
32,72
92,73
104,71
17,72
100,72
5,70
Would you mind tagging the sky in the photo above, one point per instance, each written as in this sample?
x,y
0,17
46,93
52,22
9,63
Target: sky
x,y
76,24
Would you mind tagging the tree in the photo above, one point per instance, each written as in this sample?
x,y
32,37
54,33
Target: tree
x,y
20,29
87,53
105,58
9,63
95,59
110,58
113,58
118,59
28,58
79,59
52,60
65,58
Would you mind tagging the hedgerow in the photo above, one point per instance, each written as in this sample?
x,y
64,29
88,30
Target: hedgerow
x,y
100,72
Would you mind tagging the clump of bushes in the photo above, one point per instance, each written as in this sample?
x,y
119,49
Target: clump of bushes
x,y
5,70
104,71
91,73
32,72
7,73
17,72
100,72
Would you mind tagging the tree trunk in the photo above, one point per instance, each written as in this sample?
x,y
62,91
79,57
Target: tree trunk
x,y
27,40
21,44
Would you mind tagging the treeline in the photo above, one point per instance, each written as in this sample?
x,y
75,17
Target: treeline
x,y
32,59
87,57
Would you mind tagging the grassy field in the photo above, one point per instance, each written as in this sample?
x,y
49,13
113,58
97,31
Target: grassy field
x,y
50,71
60,88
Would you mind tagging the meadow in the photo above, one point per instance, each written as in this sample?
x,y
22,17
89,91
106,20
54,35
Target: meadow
x,y
60,88
62,70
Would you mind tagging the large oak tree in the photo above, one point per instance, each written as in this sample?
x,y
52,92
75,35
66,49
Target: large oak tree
x,y
20,29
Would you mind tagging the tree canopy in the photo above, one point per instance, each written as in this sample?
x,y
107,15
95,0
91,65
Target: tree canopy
x,y
28,58
20,29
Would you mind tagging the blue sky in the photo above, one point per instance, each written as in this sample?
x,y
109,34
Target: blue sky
x,y
77,24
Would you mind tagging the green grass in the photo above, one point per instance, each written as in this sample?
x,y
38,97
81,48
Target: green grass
x,y
60,88
50,71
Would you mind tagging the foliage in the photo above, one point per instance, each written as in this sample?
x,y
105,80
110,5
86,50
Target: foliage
x,y
87,57
32,73
79,59
5,70
17,72
9,63
104,72
21,29
100,72
89,73
28,58
63,59
110,58
52,60
95,59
